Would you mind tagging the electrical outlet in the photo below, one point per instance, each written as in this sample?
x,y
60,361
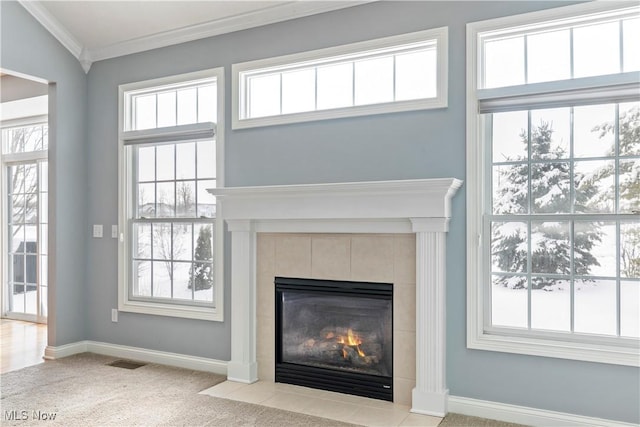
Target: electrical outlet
x,y
114,315
97,230
114,231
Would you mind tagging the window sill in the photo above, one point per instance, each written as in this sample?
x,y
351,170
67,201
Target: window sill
x,y
588,352
172,310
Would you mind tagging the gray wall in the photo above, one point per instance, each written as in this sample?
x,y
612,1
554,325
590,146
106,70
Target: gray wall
x,y
29,49
424,144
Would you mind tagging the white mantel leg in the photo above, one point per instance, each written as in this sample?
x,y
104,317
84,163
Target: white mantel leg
x,y
243,366
431,394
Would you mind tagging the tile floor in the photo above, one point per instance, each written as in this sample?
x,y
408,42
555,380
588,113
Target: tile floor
x,y
326,404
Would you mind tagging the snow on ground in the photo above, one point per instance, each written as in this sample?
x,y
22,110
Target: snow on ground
x,y
595,308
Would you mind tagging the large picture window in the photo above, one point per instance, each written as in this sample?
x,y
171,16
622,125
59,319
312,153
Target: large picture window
x,y
554,146
171,240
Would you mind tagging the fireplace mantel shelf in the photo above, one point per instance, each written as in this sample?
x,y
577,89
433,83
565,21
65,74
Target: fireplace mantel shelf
x,y
421,206
379,200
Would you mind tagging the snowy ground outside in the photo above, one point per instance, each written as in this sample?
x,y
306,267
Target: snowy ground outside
x,y
595,308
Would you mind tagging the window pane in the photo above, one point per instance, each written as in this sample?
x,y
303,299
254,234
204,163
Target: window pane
x,y
167,109
30,178
181,280
208,103
595,307
182,240
550,247
186,199
206,294
44,239
511,189
206,200
18,268
165,162
142,239
335,86
595,186
629,186
550,133
162,273
142,278
144,112
509,303
504,62
298,91
186,160
629,309
206,159
551,188
589,141
630,249
509,251
16,179
631,44
44,176
548,56
593,244
596,50
33,138
146,163
17,237
165,206
416,75
551,304
161,241
203,242
31,239
17,209
187,106
509,136
146,200
264,95
629,129
374,81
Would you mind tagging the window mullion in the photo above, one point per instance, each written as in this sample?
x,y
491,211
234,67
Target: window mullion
x,y
529,228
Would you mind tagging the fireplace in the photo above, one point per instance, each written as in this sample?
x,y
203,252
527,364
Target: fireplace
x,y
335,335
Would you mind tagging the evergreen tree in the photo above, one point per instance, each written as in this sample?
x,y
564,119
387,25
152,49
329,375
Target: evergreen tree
x,y
201,273
550,193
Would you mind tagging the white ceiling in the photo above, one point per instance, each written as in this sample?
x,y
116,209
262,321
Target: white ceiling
x,y
95,30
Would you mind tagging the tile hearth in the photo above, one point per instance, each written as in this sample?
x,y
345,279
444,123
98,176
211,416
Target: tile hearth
x,y
320,403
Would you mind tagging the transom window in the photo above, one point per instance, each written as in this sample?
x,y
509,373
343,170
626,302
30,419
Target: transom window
x,y
392,74
171,237
554,160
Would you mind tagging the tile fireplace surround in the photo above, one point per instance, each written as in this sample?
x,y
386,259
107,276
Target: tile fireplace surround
x,y
344,231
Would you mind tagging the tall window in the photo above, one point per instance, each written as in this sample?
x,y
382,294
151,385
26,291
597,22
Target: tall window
x,y
171,242
25,168
554,146
399,73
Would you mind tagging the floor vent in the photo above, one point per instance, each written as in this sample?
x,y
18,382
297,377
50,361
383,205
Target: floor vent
x,y
126,364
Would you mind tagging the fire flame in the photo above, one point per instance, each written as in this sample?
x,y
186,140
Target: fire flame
x,y
351,340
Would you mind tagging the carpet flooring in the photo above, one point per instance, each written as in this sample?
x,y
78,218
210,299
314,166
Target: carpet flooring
x,y
83,390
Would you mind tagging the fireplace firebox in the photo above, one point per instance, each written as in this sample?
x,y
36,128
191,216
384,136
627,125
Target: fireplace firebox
x,y
335,335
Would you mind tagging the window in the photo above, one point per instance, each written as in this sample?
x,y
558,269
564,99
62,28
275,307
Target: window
x,y
25,221
553,154
399,73
171,154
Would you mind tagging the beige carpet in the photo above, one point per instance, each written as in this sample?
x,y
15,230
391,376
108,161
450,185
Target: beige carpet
x,y
83,391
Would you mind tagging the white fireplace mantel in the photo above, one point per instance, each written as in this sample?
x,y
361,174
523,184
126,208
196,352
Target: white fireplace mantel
x,y
420,206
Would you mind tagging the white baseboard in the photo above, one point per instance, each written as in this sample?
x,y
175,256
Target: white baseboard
x,y
140,354
525,415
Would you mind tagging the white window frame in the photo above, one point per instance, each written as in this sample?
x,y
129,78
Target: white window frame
x,y
14,111
620,351
317,57
125,199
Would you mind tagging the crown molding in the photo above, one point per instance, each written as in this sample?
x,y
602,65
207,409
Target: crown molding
x,y
269,15
51,24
